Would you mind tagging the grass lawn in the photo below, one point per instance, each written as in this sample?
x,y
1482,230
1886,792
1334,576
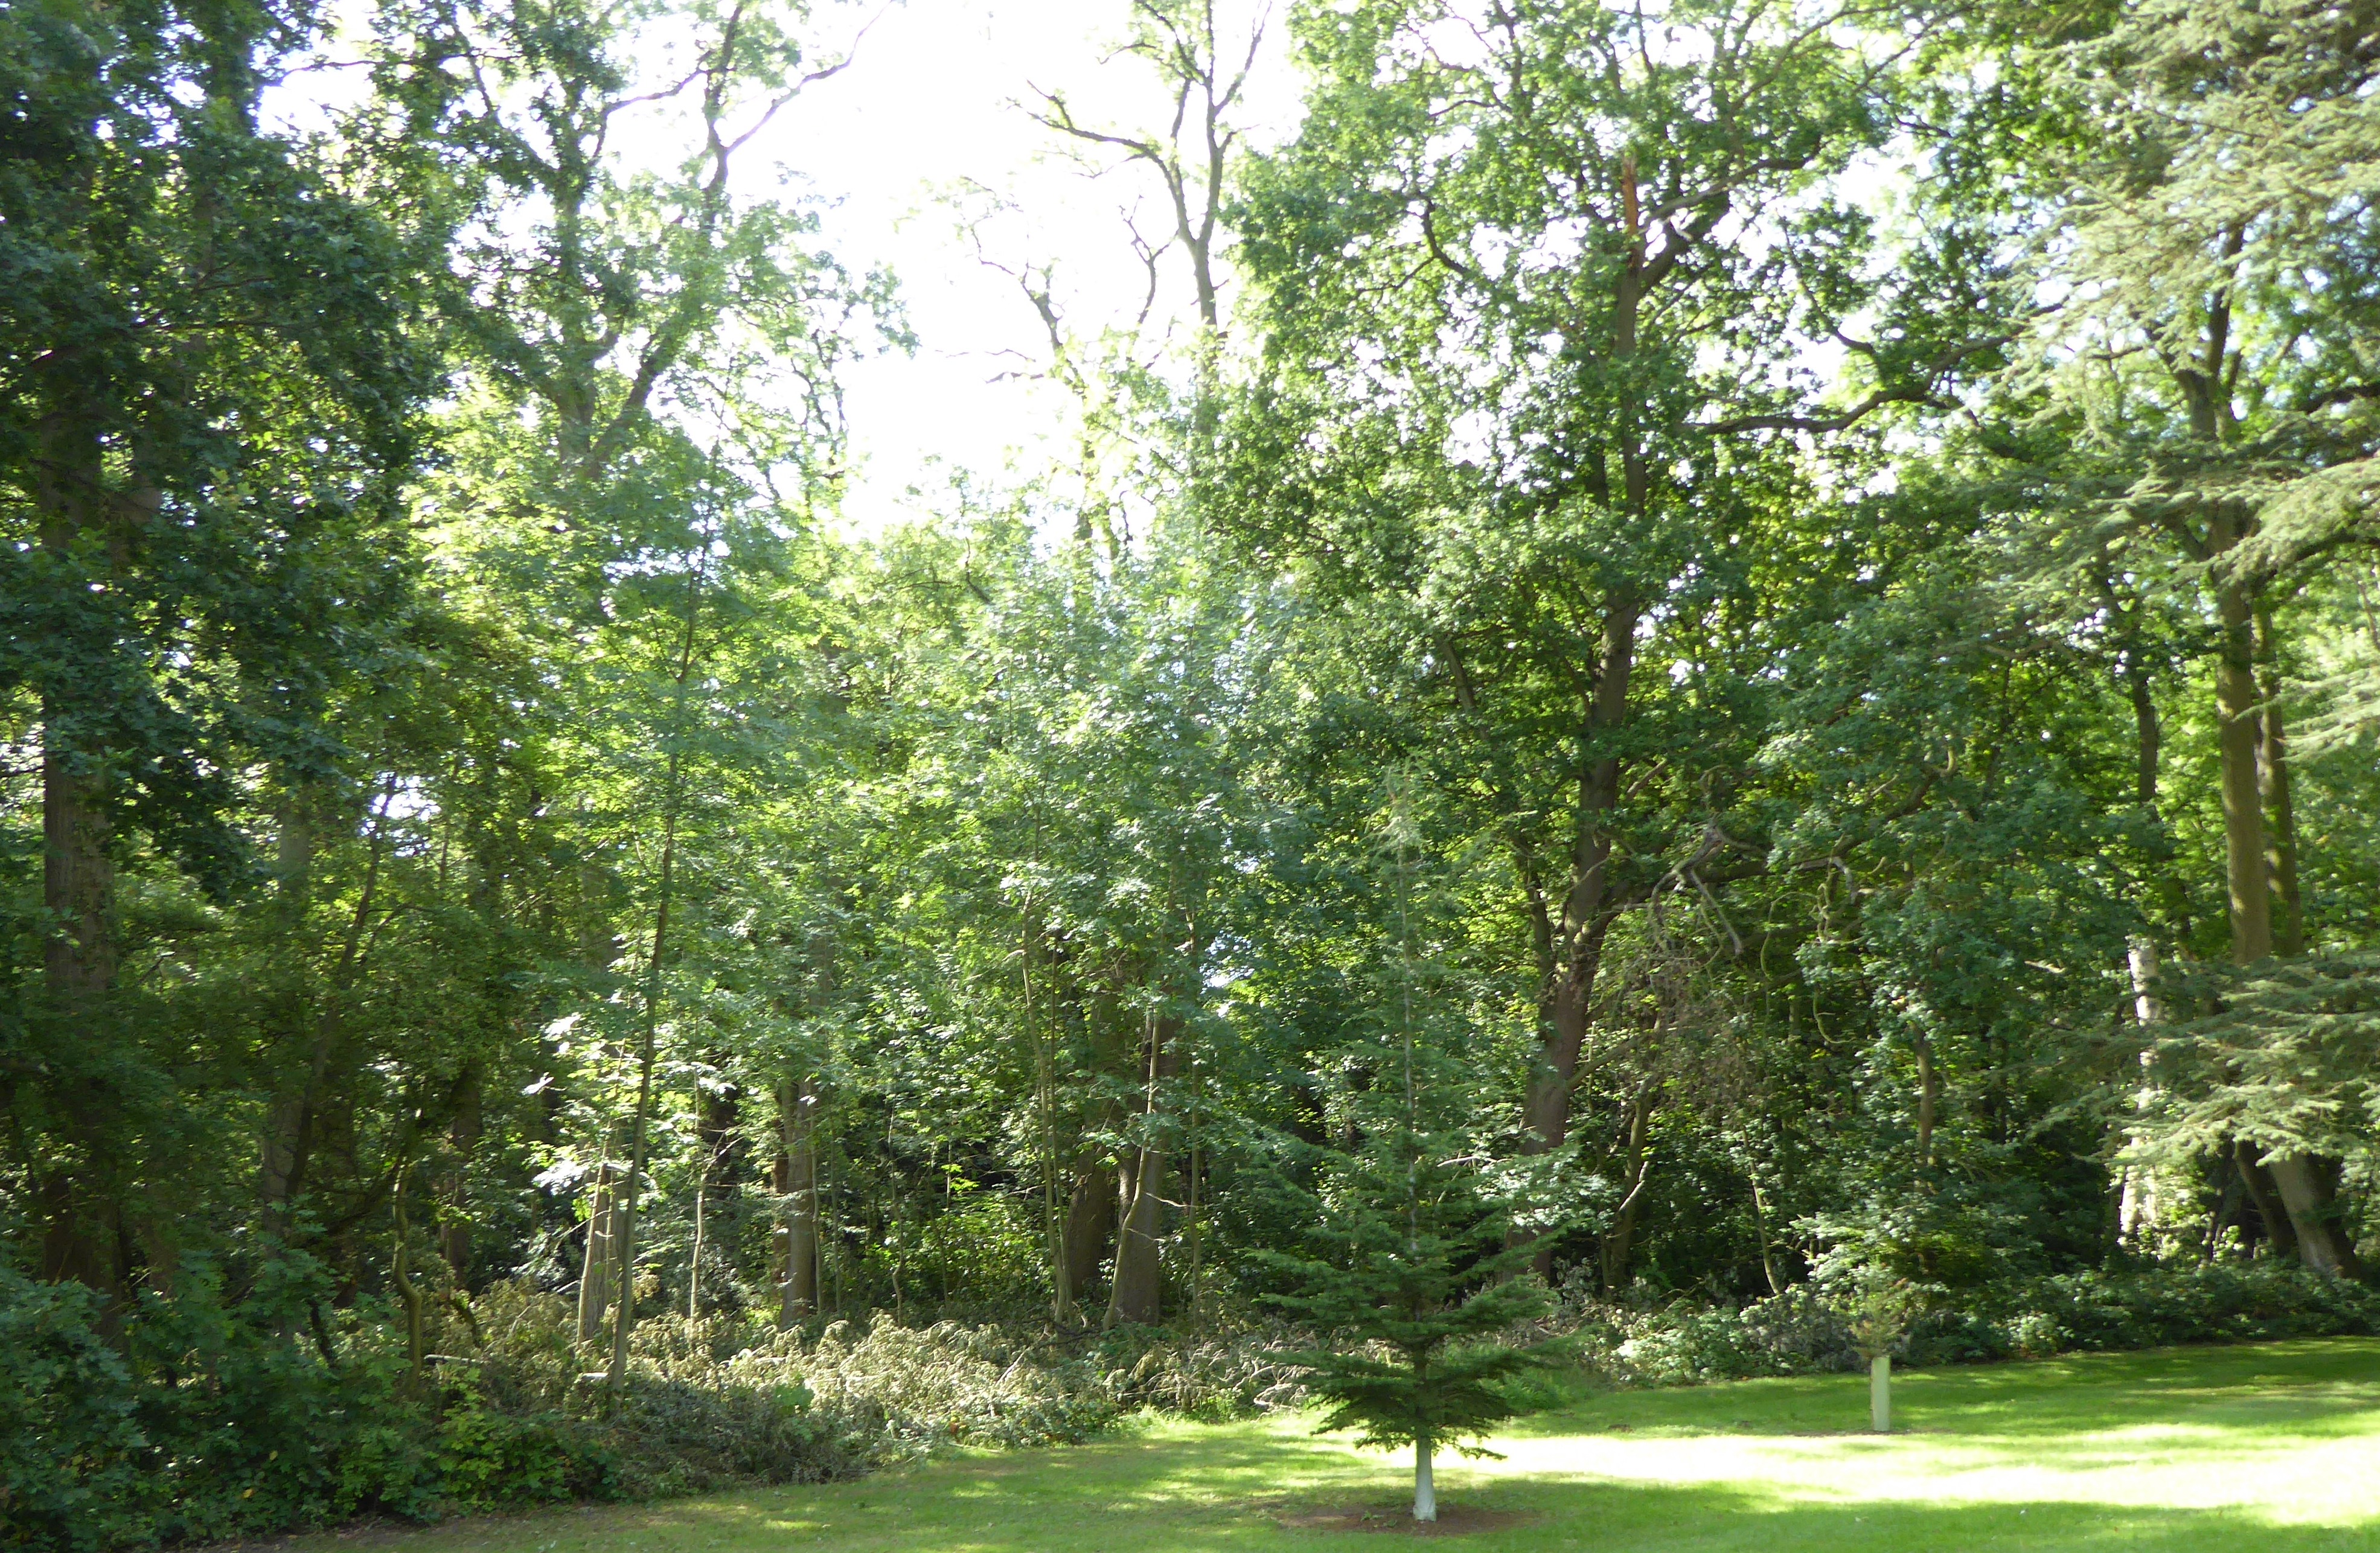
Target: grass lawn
x,y
2269,1449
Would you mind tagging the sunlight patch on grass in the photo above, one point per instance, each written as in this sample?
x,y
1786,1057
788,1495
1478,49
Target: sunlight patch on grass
x,y
2270,1449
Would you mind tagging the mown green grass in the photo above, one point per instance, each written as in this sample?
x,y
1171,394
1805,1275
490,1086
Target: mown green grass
x,y
2273,1447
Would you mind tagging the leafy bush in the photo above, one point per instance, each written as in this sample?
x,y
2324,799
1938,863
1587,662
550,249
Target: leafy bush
x,y
205,1420
213,1417
1799,1333
1239,1368
489,1459
2154,1308
70,1451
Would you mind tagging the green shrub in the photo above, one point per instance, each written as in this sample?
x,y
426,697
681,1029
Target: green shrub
x,y
71,1451
489,1459
1798,1333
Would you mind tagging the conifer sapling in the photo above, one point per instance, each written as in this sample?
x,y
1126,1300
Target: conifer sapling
x,y
1416,1271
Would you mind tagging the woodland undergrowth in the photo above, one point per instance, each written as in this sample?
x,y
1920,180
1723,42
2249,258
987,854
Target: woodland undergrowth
x,y
213,1417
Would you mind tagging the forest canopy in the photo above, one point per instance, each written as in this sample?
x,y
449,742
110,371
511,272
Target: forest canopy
x,y
1734,643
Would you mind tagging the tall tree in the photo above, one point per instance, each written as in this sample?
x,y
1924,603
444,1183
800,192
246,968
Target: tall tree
x,y
210,383
1533,277
2228,156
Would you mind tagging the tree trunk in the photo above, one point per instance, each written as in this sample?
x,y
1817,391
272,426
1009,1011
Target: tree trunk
x,y
1091,1219
1925,1100
1620,1239
291,1120
1136,1294
616,1376
1585,910
2240,734
797,1188
1768,1246
463,1136
2228,1192
2273,789
82,1228
2148,734
2255,772
1585,917
1425,1484
1138,1284
595,1268
2141,1210
2310,1198
2266,1196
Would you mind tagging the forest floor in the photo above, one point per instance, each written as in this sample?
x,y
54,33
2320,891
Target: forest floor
x,y
2271,1448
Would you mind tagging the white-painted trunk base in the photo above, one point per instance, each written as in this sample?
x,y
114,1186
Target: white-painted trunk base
x,y
1424,1491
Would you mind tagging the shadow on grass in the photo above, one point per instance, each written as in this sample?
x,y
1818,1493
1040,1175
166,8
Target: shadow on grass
x,y
1559,1514
1194,1491
1231,1494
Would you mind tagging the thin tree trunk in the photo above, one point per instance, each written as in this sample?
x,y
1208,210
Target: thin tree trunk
x,y
2272,785
2141,1210
595,1268
2148,734
1768,1246
463,1136
291,1121
408,1293
1925,1100
625,1318
1620,1239
1424,1482
1045,1097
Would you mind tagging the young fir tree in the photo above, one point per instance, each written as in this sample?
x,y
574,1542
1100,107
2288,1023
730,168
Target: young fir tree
x,y
1414,1230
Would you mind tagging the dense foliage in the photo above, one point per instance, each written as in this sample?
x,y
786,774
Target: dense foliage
x,y
1834,539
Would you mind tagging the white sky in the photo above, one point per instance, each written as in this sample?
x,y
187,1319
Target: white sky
x,y
923,132
922,158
